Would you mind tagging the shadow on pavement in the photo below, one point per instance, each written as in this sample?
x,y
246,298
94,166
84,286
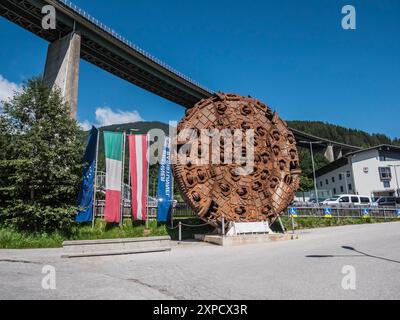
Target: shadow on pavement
x,y
361,254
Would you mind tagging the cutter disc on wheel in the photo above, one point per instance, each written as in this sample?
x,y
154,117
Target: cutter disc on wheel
x,y
215,190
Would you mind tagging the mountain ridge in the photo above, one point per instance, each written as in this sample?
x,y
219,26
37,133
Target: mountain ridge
x,y
318,128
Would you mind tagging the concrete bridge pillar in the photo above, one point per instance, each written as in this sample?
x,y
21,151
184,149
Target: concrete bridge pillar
x,y
329,155
62,68
333,153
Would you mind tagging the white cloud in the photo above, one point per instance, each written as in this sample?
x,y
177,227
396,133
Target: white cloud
x,y
7,89
105,116
85,125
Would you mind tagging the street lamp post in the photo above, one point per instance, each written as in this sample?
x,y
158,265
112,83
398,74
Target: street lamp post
x,y
394,166
313,166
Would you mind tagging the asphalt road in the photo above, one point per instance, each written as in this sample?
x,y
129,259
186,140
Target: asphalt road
x,y
308,268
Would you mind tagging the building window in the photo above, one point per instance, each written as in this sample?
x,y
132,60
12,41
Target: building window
x,y
334,191
386,184
321,184
348,174
326,181
333,179
350,187
385,173
340,176
341,189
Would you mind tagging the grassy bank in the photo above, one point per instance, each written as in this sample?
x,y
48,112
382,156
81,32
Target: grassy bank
x,y
11,239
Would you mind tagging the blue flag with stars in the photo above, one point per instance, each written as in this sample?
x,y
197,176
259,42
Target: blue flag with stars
x,y
85,197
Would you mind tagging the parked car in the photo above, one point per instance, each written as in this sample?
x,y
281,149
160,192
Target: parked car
x,y
386,202
348,199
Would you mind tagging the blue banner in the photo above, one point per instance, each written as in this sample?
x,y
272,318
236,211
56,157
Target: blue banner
x,y
165,188
85,197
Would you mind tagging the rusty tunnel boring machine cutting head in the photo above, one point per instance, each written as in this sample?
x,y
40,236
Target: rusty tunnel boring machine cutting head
x,y
219,188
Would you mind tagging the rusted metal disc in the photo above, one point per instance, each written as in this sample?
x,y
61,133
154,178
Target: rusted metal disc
x,y
214,190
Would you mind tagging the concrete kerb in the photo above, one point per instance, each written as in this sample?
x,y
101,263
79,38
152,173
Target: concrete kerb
x,y
88,248
244,239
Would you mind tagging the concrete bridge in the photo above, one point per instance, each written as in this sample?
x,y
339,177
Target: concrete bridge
x,y
79,35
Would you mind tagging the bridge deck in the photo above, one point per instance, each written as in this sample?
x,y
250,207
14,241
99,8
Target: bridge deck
x,y
106,49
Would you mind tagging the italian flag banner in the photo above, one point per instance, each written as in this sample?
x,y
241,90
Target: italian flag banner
x,y
139,173
113,150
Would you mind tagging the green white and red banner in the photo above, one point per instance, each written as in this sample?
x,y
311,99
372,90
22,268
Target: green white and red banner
x,y
139,175
113,145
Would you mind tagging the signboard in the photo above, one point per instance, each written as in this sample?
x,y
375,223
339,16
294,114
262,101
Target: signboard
x,y
398,213
328,212
293,212
365,213
249,227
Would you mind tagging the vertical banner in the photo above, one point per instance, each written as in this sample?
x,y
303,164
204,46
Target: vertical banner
x,y
113,152
86,191
165,191
139,175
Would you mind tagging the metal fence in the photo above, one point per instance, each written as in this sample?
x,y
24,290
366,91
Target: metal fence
x,y
344,212
183,210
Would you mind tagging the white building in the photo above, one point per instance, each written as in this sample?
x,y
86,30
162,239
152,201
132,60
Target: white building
x,y
371,172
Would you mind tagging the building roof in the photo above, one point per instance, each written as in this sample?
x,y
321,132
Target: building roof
x,y
332,166
385,147
344,160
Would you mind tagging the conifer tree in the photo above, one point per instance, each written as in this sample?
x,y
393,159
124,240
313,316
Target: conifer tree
x,y
40,160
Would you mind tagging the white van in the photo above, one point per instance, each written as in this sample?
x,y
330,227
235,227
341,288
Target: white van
x,y
348,199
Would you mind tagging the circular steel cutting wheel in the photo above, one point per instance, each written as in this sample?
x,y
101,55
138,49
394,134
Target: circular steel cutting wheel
x,y
216,190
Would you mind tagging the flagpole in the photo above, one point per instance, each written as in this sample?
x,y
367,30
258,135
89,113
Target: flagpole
x,y
173,196
122,181
129,178
95,179
148,176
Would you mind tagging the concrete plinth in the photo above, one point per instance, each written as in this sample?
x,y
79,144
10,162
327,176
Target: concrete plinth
x,y
247,239
87,248
62,68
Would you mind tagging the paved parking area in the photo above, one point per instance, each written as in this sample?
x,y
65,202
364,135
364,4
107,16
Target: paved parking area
x,y
308,268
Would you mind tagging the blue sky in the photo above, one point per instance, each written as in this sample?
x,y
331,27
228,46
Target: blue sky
x,y
293,55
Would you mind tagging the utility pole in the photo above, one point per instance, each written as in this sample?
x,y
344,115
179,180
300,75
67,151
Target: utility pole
x,y
313,166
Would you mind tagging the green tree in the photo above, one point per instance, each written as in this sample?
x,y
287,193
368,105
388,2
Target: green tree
x,y
306,185
40,160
